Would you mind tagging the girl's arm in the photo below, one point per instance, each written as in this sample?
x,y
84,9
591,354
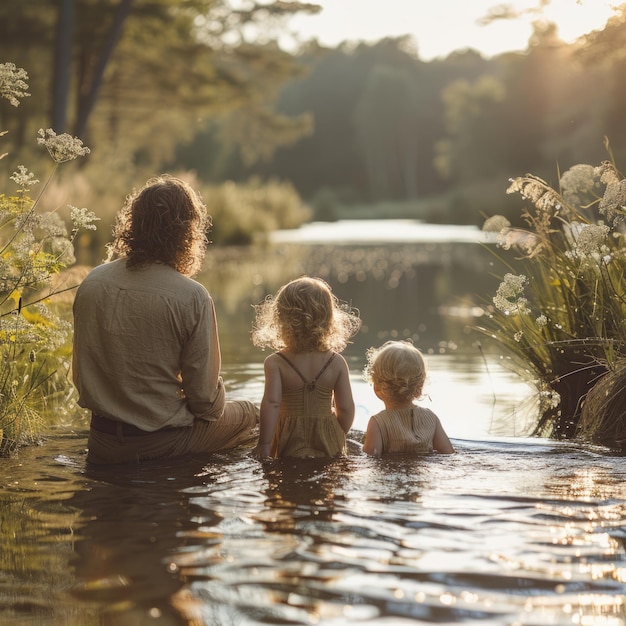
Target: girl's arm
x,y
441,443
373,443
343,400
270,406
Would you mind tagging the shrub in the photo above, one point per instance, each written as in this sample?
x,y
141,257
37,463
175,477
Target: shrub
x,y
243,213
325,205
34,248
562,315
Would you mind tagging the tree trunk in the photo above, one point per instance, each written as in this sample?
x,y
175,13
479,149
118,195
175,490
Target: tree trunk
x,y
62,64
87,101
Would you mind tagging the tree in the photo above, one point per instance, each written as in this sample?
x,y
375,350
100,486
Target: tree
x,y
604,51
472,150
387,118
149,71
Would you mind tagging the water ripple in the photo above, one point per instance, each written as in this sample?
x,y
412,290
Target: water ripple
x,y
498,534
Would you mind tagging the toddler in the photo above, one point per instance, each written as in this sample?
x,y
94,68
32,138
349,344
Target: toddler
x,y
307,406
397,372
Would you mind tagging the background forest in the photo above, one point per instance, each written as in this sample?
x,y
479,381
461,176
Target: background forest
x,y
273,138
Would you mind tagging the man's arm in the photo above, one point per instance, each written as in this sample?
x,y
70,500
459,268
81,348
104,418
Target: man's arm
x,y
200,365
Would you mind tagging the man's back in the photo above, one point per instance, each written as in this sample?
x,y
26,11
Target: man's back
x,y
136,333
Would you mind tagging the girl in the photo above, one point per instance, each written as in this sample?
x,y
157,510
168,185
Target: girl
x,y
307,405
398,372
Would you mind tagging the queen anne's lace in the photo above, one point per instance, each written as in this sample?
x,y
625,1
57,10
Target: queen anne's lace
x,y
13,84
510,297
62,147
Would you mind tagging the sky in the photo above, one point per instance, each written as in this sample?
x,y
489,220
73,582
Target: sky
x,y
442,26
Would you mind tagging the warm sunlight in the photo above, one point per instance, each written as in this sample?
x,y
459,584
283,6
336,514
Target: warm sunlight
x,y
446,25
573,17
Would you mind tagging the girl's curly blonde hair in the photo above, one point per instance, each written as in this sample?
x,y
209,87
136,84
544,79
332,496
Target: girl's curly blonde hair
x,y
303,316
165,221
397,368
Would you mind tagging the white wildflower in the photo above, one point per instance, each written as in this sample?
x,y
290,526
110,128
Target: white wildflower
x,y
26,223
62,250
82,218
23,178
495,224
518,335
523,240
509,296
613,203
53,225
607,173
541,321
580,185
590,241
62,147
13,83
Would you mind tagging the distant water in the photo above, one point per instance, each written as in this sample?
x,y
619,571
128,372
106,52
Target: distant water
x,y
510,531
381,231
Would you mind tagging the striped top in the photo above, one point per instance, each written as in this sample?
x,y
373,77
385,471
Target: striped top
x,y
407,430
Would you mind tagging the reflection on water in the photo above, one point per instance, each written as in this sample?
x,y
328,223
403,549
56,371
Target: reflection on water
x,y
511,530
429,292
507,531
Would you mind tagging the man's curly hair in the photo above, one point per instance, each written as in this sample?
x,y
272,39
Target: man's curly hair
x,y
397,368
166,221
304,316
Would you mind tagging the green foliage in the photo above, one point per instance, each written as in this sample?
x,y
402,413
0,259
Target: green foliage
x,y
387,129
245,213
34,248
325,205
560,311
472,150
140,77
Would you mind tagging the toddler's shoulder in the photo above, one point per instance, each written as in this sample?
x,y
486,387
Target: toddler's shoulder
x,y
381,415
424,413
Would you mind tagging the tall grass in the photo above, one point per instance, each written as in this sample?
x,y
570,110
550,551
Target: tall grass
x,y
560,312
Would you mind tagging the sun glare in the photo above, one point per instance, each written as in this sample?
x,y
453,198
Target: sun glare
x,y
447,25
573,17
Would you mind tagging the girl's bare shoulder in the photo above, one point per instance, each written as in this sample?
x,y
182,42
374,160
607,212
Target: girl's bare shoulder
x,y
339,361
272,360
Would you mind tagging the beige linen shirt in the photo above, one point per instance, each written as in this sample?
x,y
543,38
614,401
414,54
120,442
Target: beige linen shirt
x,y
146,347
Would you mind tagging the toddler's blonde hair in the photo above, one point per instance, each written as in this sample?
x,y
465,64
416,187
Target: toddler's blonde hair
x,y
398,370
304,315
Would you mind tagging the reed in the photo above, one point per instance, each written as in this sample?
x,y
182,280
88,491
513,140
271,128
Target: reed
x,y
560,310
603,416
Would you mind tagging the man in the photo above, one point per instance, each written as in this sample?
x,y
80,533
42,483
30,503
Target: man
x,y
146,358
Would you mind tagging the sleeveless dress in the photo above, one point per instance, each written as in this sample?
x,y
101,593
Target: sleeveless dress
x,y
407,430
307,426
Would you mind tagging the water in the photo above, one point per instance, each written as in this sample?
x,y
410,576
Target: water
x,y
510,530
507,531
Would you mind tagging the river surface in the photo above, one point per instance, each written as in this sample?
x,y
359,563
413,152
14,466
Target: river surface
x,y
511,530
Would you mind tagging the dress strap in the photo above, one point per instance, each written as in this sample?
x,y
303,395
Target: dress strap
x,y
309,385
